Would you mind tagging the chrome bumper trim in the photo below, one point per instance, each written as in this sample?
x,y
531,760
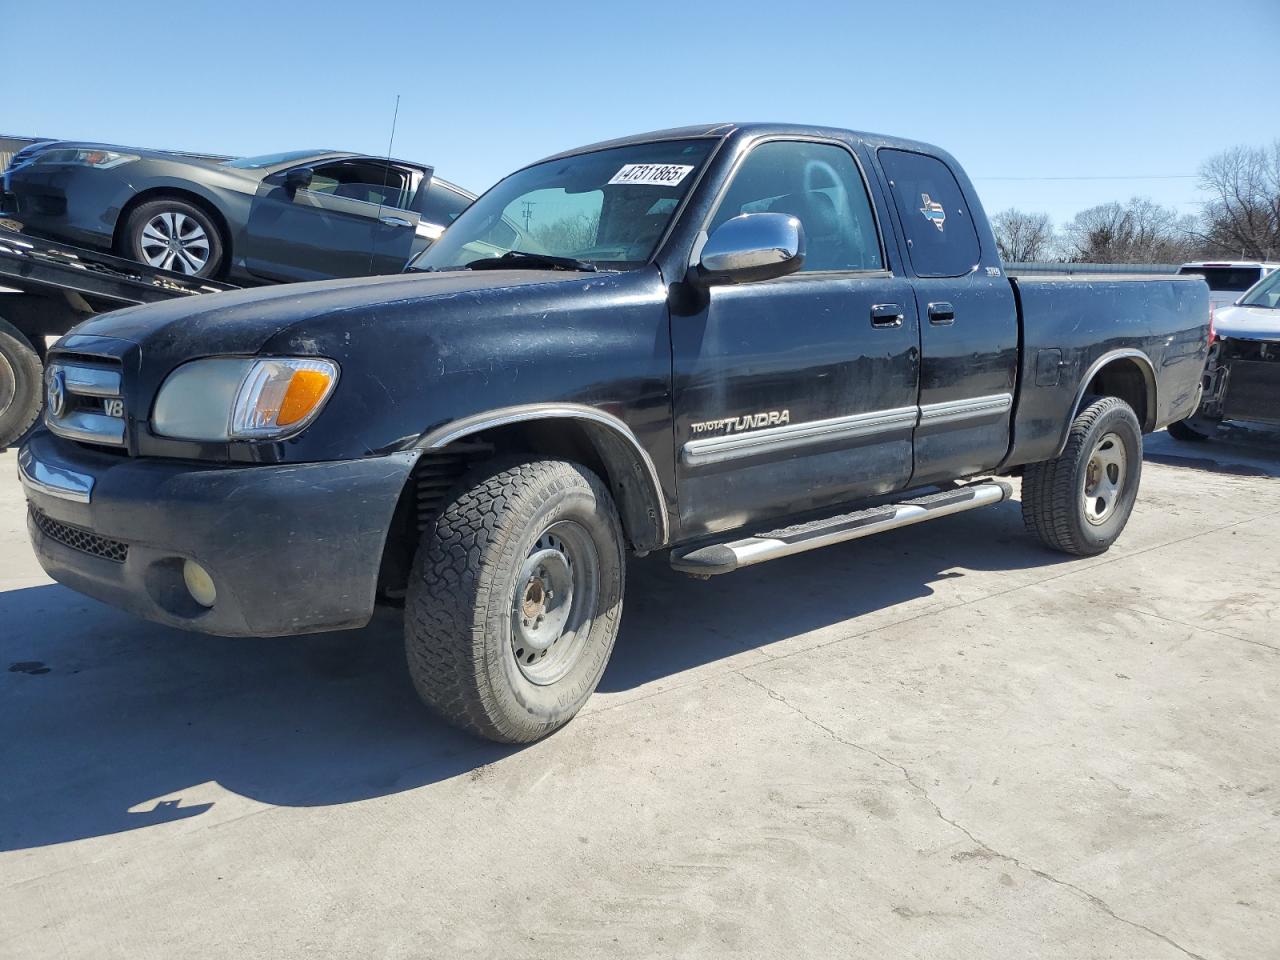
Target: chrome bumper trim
x,y
88,427
52,480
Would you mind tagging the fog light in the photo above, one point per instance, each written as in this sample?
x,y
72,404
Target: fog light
x,y
199,583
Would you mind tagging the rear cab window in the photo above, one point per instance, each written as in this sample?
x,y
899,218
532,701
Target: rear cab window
x,y
941,238
1226,279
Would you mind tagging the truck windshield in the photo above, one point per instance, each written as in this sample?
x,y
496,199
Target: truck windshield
x,y
1265,294
1226,279
608,209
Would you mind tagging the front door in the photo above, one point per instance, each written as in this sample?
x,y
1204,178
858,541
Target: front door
x,y
351,222
968,323
799,392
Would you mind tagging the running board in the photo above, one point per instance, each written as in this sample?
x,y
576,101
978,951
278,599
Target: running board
x,y
719,558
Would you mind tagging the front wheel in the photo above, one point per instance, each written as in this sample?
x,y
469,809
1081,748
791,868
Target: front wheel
x,y
171,234
514,599
1080,501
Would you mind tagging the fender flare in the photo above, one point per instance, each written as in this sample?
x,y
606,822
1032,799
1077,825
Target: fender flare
x,y
611,426
1148,375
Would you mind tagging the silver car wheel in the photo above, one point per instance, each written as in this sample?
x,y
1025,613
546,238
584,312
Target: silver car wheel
x,y
554,598
8,383
1104,479
175,241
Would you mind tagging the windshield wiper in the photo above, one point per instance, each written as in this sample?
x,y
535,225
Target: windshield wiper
x,y
519,259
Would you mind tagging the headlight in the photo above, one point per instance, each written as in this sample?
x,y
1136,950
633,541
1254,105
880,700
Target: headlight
x,y
98,159
233,398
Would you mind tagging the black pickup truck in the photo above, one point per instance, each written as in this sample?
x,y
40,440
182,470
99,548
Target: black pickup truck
x,y
730,343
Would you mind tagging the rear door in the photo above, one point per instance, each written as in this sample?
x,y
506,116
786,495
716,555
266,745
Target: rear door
x,y
353,221
798,392
968,321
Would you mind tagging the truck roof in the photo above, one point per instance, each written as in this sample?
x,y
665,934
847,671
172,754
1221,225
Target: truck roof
x,y
721,130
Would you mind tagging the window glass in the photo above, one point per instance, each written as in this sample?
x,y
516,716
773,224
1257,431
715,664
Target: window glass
x,y
1226,279
1265,294
941,238
361,180
608,207
268,160
443,205
819,184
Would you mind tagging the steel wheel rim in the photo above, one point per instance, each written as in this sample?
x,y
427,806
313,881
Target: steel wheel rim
x,y
555,595
1105,474
8,383
175,241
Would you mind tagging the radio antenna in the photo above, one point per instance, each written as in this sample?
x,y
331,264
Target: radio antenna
x,y
386,173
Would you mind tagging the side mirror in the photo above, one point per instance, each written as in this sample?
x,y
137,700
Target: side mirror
x,y
752,246
298,179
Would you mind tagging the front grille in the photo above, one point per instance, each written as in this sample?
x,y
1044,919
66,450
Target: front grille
x,y
1253,391
86,541
85,402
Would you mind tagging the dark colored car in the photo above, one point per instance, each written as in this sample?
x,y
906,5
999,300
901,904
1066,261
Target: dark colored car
x,y
730,343
304,215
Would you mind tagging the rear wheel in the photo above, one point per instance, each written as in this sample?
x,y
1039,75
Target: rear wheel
x,y
1080,501
171,234
515,598
21,384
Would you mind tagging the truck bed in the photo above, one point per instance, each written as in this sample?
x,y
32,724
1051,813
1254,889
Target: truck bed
x,y
1070,324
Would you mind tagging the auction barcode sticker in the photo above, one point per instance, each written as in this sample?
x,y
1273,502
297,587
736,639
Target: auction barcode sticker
x,y
652,174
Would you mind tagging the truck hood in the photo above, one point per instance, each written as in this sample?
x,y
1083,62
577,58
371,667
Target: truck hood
x,y
1248,323
242,321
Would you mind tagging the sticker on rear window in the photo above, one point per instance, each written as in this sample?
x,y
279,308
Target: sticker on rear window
x,y
652,174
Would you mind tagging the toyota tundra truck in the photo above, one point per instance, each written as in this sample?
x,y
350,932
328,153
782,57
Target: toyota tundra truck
x,y
726,343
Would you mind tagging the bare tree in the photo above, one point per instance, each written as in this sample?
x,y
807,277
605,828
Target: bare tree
x,y
568,233
1242,214
1140,231
1023,237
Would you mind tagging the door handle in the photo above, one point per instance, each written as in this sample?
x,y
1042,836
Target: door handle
x,y
395,221
886,315
942,314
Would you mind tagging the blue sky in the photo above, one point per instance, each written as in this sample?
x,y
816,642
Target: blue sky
x,y
1014,89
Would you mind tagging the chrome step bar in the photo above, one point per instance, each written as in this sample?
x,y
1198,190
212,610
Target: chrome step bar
x,y
717,558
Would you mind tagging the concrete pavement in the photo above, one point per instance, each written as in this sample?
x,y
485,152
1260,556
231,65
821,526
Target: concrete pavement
x,y
945,742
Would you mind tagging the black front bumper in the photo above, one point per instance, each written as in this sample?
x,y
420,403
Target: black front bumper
x,y
291,548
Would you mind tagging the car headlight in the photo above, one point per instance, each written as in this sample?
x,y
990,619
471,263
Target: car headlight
x,y
98,159
242,398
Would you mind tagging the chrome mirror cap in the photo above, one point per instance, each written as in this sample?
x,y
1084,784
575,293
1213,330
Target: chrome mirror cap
x,y
752,246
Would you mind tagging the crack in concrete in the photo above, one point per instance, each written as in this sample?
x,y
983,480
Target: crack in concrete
x,y
1094,900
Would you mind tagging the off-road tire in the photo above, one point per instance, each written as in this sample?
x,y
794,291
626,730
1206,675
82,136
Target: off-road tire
x,y
130,241
459,608
1053,507
21,385
1181,430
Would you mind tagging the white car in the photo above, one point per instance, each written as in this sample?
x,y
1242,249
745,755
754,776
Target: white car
x,y
1229,279
1242,376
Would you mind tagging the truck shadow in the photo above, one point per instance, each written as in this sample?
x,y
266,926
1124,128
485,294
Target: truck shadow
x,y
1235,450
111,724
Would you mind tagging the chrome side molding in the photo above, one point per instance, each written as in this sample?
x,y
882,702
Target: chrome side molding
x,y
773,439
707,450
971,408
53,480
